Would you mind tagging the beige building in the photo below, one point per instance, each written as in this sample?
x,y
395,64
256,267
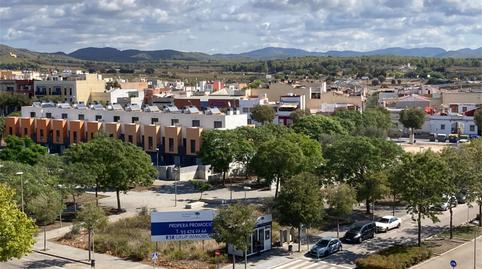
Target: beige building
x,y
316,96
71,89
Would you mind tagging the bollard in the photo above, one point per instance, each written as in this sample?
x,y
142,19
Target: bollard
x,y
92,263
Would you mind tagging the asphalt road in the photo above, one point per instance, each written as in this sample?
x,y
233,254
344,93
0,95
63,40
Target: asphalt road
x,y
463,255
406,233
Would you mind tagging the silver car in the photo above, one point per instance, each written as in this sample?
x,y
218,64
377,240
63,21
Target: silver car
x,y
326,246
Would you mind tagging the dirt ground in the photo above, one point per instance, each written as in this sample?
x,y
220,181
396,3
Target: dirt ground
x,y
414,148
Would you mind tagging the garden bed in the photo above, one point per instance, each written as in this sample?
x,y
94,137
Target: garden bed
x,y
130,238
396,257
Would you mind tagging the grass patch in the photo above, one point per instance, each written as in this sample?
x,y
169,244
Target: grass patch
x,y
396,257
462,232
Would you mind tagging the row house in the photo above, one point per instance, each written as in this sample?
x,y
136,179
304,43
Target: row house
x,y
169,138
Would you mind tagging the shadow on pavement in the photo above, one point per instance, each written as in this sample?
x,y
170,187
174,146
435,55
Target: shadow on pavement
x,y
46,263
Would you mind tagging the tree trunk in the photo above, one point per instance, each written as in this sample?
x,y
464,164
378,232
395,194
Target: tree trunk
x,y
277,188
337,228
234,261
299,238
224,178
45,238
96,194
451,221
246,259
480,213
419,223
393,206
89,242
75,205
367,204
118,201
412,136
200,198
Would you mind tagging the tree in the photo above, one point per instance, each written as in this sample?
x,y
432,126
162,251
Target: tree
x,y
45,208
16,229
375,82
478,119
277,160
243,149
201,186
110,161
300,202
22,149
461,178
473,151
233,225
381,78
217,150
299,113
412,118
92,217
263,113
376,123
420,180
340,199
314,126
2,128
355,160
351,120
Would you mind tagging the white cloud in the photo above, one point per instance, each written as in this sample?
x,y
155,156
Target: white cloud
x,y
234,26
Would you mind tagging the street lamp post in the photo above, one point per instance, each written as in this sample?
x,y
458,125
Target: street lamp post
x,y
21,186
157,163
177,172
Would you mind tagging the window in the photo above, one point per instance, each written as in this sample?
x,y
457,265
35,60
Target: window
x,y
32,114
65,91
150,142
442,126
116,118
98,117
10,131
70,92
48,115
171,145
193,146
472,128
64,116
196,123
130,139
154,120
218,124
174,121
25,131
74,136
92,135
81,116
57,136
464,109
266,234
245,109
41,134
135,119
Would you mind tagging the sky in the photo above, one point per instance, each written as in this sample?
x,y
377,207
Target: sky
x,y
222,26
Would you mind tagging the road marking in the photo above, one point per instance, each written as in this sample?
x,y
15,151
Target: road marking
x,y
304,263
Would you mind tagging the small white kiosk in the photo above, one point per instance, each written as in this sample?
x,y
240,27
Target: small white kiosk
x,y
260,240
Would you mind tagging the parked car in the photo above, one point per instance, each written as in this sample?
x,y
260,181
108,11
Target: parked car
x,y
473,136
461,198
441,137
453,138
444,206
386,223
432,137
464,139
326,246
359,232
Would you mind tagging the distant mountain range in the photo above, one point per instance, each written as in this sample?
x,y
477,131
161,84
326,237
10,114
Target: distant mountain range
x,y
111,54
131,56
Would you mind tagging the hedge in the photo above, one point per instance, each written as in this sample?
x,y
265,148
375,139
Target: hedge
x,y
396,257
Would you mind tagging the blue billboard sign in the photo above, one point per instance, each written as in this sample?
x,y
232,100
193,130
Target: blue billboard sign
x,y
182,225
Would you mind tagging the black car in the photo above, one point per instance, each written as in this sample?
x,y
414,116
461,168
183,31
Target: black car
x,y
360,231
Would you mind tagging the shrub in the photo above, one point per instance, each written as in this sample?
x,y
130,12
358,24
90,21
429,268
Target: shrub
x,y
397,257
